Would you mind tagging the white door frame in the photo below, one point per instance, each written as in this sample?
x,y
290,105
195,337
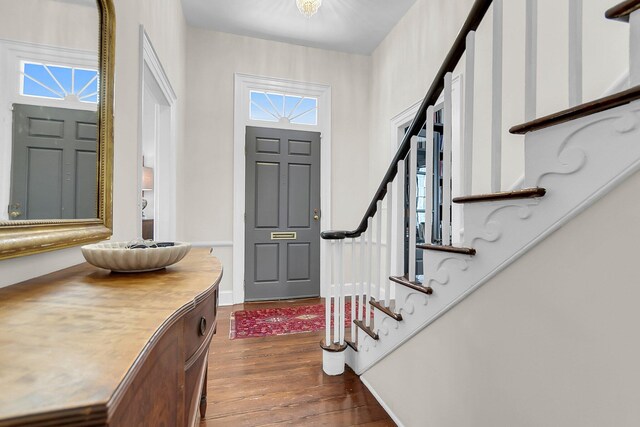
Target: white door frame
x,y
244,83
398,124
165,151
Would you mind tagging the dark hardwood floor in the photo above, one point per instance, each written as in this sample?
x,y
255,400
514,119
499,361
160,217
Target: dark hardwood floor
x,y
279,381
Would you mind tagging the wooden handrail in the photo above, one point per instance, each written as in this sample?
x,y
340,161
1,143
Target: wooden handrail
x,y
475,17
622,10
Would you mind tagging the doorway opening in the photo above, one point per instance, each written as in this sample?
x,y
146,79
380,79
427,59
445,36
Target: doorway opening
x,y
289,113
157,148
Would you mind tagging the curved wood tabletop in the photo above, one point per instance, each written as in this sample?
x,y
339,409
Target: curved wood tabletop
x,y
71,340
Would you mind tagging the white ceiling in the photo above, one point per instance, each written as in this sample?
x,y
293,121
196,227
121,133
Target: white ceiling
x,y
354,26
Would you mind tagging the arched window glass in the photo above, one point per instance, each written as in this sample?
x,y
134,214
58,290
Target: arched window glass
x,y
283,108
59,82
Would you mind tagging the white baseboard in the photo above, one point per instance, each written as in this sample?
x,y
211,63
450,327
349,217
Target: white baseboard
x,y
225,298
382,403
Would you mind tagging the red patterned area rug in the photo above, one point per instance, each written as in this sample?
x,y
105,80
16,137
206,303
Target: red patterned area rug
x,y
280,321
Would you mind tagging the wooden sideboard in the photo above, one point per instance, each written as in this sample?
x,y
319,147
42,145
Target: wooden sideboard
x,y
86,347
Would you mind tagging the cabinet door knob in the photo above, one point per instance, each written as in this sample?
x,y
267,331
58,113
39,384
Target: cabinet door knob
x,y
203,326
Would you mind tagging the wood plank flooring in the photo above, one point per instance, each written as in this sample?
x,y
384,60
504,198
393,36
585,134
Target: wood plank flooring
x,y
279,381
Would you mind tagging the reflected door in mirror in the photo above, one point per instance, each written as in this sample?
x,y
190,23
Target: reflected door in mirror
x,y
54,163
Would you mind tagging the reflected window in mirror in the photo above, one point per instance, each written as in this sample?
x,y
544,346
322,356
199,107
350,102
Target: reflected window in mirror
x,y
59,82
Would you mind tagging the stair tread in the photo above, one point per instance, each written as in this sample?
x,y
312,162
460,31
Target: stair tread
x,y
582,110
389,311
445,248
369,331
525,193
621,11
402,280
352,344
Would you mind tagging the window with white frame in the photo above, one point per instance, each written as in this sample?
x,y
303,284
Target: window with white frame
x,y
283,108
59,82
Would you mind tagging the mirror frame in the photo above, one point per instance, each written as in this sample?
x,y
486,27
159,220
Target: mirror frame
x,y
31,237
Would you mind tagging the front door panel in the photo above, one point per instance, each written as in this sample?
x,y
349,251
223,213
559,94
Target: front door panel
x,y
282,226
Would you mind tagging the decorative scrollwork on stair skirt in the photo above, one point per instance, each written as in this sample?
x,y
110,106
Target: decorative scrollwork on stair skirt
x,y
492,228
442,276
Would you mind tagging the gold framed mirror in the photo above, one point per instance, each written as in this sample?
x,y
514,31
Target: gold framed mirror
x,y
58,144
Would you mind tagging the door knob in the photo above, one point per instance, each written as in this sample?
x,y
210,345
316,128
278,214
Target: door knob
x,y
14,210
316,217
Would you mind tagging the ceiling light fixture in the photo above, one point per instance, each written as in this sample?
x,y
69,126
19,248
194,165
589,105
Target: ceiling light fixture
x,y
308,7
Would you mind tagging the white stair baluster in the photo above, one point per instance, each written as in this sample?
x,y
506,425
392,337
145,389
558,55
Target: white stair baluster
x,y
336,295
575,52
399,209
369,270
467,143
446,162
531,61
341,303
327,311
428,179
387,270
496,100
634,48
354,288
413,166
363,269
378,288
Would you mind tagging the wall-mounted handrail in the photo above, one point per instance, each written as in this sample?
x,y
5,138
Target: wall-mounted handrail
x,y
475,17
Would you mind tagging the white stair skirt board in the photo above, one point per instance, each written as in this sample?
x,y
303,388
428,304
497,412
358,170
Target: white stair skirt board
x,y
577,162
382,403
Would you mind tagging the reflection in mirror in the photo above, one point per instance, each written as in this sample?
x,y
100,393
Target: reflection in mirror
x,y
48,109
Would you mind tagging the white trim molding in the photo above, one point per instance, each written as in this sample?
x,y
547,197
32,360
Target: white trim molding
x,y
244,83
165,168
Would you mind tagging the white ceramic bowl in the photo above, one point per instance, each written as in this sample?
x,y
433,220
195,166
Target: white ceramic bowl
x,y
116,257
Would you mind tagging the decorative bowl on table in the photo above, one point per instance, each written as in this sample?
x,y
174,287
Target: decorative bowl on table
x,y
135,257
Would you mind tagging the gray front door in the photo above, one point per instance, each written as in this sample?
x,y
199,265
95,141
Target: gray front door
x,y
282,226
53,165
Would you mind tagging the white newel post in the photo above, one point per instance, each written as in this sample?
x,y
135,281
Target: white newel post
x,y
333,357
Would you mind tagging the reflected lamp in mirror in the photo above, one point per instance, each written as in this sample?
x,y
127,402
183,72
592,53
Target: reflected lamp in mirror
x,y
147,184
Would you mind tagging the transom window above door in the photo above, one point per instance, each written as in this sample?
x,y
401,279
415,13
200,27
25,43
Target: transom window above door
x,y
59,82
283,108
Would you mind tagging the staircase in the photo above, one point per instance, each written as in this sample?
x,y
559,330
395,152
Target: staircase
x,y
572,158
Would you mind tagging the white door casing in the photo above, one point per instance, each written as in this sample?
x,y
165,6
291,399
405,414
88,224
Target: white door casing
x,y
244,83
154,80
